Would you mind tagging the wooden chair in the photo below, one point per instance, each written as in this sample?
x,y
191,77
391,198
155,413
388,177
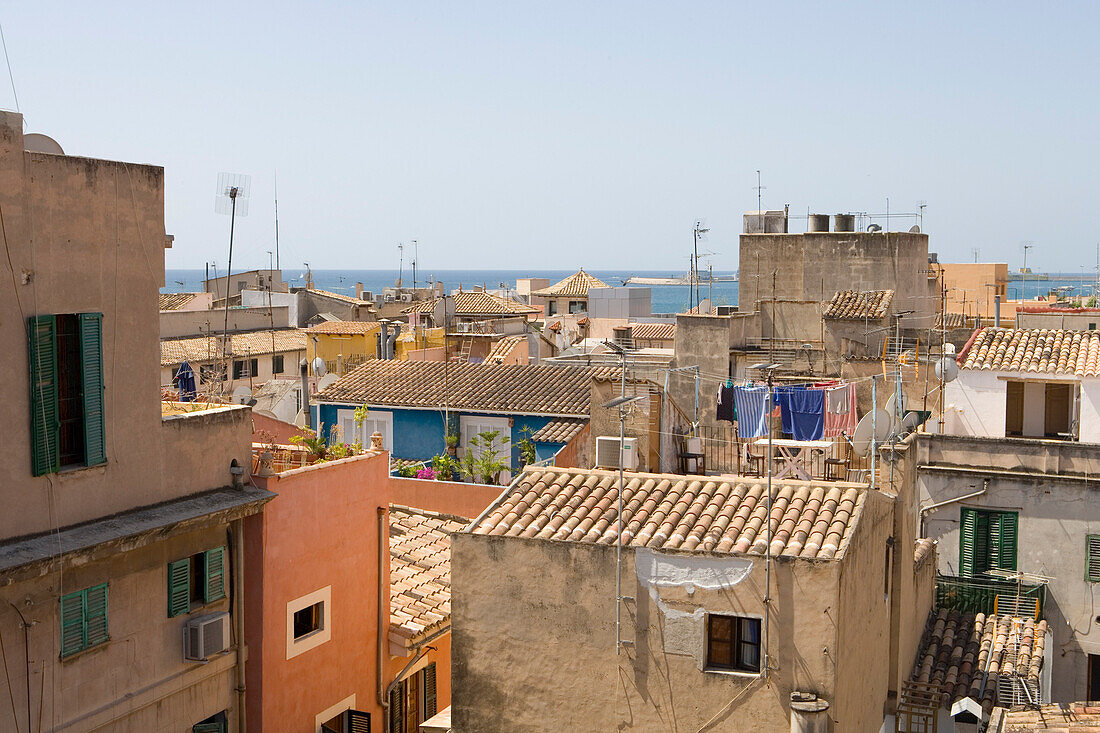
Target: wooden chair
x,y
836,468
691,453
755,463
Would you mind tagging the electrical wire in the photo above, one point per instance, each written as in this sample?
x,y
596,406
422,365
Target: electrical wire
x,y
11,76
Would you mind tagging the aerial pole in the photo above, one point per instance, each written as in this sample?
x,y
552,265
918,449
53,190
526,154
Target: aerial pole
x,y
232,199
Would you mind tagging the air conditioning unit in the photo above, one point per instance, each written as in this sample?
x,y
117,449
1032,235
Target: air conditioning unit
x,y
406,297
206,636
607,453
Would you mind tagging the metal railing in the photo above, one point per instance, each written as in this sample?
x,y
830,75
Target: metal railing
x,y
989,595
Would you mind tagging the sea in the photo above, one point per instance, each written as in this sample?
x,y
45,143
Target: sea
x,y
663,298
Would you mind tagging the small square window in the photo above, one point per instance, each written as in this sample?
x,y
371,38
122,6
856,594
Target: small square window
x,y
309,620
277,364
733,643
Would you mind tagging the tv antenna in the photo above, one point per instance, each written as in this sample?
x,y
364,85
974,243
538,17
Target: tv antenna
x,y
976,252
759,202
698,230
921,206
400,263
231,199
276,224
414,259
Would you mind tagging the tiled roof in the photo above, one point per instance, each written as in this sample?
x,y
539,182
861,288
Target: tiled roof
x,y
420,571
923,549
1040,350
955,648
173,301
560,430
854,305
1056,717
344,327
576,285
953,320
350,300
254,343
476,303
526,389
503,348
653,331
677,512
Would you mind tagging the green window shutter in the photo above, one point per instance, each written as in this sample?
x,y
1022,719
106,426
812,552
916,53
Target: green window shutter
x,y
91,365
179,587
215,574
397,712
44,410
982,542
1006,532
95,615
429,691
967,526
72,623
1092,558
208,728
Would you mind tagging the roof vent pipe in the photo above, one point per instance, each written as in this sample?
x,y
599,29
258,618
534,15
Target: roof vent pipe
x,y
997,310
391,341
383,337
809,713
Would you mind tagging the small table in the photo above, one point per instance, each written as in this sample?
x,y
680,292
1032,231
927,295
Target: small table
x,y
795,455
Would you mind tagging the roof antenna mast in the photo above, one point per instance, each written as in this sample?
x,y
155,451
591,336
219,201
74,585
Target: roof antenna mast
x,y
231,199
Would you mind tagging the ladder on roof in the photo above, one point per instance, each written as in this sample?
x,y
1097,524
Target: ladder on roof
x,y
1013,687
918,708
464,349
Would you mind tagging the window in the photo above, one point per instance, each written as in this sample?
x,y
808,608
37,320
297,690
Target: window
x,y
349,721
577,306
376,421
733,643
1058,403
1094,676
83,619
1092,558
245,368
277,364
987,540
309,620
211,373
217,723
551,307
1092,326
195,581
412,701
1014,409
66,376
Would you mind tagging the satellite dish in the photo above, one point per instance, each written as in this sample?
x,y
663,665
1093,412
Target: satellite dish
x,y
915,229
910,422
874,228
266,413
36,142
242,395
947,369
319,368
895,408
300,419
861,438
325,382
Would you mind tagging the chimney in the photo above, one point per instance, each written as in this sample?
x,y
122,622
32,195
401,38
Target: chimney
x,y
359,290
809,714
997,310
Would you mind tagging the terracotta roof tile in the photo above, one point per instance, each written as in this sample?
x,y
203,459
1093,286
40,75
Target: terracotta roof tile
x,y
955,652
344,327
576,285
174,301
1038,350
854,305
526,389
476,303
923,550
420,571
653,331
338,296
206,348
560,430
709,514
1082,717
953,320
503,348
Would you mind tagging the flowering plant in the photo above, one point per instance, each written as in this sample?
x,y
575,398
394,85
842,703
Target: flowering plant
x,y
426,473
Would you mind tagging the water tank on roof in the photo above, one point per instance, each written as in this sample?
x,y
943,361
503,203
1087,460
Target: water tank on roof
x,y
844,222
818,223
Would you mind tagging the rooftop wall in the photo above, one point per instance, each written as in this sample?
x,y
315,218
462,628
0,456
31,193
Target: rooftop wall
x,y
179,323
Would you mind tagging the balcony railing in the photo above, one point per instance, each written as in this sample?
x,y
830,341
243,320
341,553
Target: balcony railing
x,y
990,595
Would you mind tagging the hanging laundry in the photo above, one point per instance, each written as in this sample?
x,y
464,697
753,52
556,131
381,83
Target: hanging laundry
x,y
185,379
840,410
727,407
807,409
782,400
752,421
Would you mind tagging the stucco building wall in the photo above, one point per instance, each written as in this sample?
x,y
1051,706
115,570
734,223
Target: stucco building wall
x,y
702,341
180,323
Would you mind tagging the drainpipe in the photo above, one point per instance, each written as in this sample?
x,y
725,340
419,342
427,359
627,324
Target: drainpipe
x,y
997,311
303,367
938,504
236,532
383,627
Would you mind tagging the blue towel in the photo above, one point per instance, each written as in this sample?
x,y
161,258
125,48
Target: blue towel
x,y
751,419
783,399
807,414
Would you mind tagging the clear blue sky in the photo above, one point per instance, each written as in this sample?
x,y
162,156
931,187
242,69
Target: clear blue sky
x,y
560,134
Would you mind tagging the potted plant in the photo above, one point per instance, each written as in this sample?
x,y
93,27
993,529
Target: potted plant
x,y
527,452
485,466
445,467
452,444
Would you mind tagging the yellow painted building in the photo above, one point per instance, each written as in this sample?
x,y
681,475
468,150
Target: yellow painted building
x,y
418,338
342,344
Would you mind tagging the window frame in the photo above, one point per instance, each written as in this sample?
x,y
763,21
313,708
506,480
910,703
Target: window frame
x,y
181,575
90,637
736,641
317,621
277,359
294,647
994,546
1090,552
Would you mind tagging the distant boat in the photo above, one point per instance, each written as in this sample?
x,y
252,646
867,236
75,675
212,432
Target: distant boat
x,y
682,280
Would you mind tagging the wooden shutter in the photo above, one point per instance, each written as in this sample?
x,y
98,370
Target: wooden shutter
x,y
215,574
72,623
91,366
358,722
1003,526
179,587
397,709
45,420
429,691
1092,558
208,728
95,615
967,527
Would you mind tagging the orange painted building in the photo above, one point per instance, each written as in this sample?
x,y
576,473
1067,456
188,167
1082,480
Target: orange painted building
x,y
313,588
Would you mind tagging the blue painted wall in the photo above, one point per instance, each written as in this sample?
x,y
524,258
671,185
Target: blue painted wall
x,y
419,434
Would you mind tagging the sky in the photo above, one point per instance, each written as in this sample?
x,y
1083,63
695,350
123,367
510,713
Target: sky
x,y
513,135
